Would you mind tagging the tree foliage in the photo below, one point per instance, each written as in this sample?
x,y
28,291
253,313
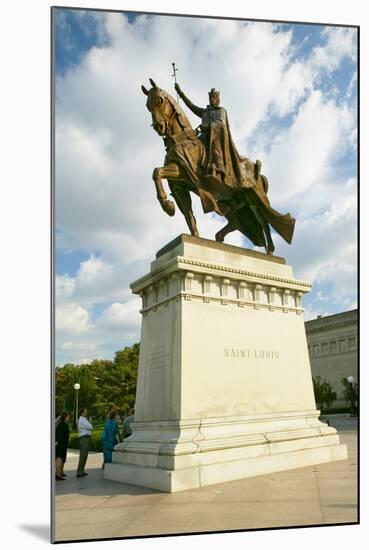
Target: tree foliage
x,y
323,391
351,394
102,382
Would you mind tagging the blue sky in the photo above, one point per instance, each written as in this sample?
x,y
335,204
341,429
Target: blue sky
x,y
297,113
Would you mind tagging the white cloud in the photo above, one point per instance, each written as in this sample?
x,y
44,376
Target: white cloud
x,y
97,281
93,270
301,158
64,287
121,316
78,346
325,250
341,43
118,325
295,81
106,151
71,318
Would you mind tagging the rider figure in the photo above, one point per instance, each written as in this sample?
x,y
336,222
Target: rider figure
x,y
214,131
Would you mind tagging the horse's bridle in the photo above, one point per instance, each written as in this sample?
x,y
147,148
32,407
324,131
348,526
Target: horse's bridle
x,y
168,123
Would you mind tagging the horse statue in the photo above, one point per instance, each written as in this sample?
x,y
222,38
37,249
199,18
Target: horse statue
x,y
243,203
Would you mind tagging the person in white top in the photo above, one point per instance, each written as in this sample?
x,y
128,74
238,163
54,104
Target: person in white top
x,y
84,433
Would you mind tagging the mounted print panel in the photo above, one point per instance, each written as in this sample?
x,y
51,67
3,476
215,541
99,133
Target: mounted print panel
x,y
205,187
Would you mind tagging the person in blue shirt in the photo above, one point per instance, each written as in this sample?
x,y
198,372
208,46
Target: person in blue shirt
x,y
110,437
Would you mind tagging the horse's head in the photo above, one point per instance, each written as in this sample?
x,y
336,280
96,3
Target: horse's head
x,y
163,109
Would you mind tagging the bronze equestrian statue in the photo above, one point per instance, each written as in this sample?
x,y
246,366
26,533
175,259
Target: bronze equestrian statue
x,y
206,162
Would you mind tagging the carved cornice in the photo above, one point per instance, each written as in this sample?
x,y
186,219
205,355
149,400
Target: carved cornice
x,y
185,295
181,263
198,286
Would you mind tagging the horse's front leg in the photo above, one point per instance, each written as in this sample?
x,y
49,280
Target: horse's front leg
x,y
182,197
171,171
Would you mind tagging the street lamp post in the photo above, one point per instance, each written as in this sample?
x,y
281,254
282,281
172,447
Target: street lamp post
x,y
76,387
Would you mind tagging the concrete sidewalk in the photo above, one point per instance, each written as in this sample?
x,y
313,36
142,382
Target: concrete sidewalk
x,y
92,508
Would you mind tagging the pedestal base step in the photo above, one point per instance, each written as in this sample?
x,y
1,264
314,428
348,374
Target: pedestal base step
x,y
209,473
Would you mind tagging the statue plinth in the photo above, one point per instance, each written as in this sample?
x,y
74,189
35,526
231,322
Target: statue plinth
x,y
224,385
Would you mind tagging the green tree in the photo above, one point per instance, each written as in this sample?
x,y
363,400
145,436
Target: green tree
x,y
323,391
65,378
99,368
102,382
350,394
126,365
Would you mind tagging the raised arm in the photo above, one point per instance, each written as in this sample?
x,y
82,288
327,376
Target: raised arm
x,y
198,111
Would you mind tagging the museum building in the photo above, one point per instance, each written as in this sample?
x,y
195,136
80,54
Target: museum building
x,y
332,342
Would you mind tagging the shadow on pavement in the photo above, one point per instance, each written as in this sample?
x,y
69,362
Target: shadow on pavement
x,y
40,531
341,423
95,485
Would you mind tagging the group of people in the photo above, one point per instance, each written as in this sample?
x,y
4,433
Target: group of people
x,y
110,437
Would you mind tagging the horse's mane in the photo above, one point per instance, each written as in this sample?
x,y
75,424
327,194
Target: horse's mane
x,y
182,118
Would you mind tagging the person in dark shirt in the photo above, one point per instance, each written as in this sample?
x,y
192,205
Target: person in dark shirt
x,y
61,439
126,431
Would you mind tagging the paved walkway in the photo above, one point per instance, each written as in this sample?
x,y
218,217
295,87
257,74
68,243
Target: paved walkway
x,y
91,507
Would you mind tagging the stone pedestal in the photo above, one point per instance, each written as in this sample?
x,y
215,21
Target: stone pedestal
x,y
224,385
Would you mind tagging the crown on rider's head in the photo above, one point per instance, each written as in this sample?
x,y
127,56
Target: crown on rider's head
x,y
215,92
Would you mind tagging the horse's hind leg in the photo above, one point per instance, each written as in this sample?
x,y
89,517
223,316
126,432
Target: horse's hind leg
x,y
183,199
231,226
269,246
